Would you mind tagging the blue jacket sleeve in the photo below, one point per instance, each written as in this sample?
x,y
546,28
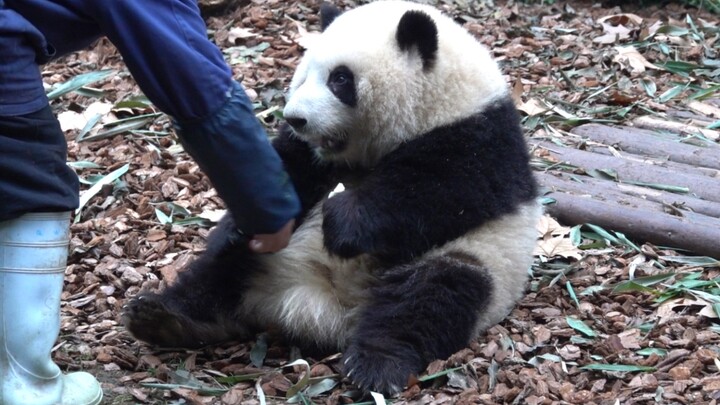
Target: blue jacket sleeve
x,y
233,150
165,46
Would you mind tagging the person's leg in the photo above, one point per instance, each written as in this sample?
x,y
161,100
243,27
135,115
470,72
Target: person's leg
x,y
37,192
33,252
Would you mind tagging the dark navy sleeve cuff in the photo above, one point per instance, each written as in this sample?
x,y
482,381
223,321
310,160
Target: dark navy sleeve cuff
x,y
232,148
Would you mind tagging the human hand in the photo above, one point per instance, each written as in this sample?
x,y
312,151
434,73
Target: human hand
x,y
272,242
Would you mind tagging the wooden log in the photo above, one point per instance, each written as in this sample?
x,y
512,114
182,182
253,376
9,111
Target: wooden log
x,y
701,171
642,143
627,194
659,228
701,186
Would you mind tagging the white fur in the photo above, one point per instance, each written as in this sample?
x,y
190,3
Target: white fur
x,y
314,296
462,82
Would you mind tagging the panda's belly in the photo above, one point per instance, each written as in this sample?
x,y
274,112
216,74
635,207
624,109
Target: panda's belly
x,y
308,293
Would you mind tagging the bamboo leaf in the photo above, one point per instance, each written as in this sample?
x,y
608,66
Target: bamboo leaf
x,y
616,367
652,350
571,291
438,374
78,82
603,233
84,165
580,326
302,382
90,193
259,351
631,286
671,93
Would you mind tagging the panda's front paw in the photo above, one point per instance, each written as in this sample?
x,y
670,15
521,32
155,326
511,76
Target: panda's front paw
x,y
347,226
381,365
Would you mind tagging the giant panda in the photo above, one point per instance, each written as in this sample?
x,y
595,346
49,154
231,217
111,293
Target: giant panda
x,y
431,240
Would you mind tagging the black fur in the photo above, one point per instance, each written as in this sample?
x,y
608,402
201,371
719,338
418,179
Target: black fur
x,y
434,189
200,307
313,179
418,29
328,14
341,82
420,312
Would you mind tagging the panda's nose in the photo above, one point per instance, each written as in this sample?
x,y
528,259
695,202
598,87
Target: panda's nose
x,y
296,123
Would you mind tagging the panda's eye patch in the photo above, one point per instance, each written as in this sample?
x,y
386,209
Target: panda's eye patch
x,y
342,84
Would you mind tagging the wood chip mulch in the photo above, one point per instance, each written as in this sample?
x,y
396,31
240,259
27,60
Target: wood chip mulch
x,y
574,317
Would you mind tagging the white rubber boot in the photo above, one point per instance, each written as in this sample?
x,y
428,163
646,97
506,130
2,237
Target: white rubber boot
x,y
33,254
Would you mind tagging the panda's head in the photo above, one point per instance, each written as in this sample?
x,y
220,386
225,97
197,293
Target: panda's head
x,y
384,73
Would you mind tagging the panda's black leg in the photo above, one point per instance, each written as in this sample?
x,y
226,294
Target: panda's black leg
x,y
421,312
201,306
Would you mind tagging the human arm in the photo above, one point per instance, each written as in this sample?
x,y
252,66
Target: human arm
x,y
164,44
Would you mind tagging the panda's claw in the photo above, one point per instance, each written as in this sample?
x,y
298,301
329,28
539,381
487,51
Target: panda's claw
x,y
384,370
148,318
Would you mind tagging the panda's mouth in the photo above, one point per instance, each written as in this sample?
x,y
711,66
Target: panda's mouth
x,y
331,144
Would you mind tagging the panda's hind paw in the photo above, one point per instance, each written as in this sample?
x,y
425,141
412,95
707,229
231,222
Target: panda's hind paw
x,y
384,368
148,319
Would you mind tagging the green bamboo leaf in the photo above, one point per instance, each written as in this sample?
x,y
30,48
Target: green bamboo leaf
x,y
632,286
438,374
654,279
616,367
90,193
627,242
603,233
649,86
571,291
671,93
702,261
652,350
580,326
302,382
321,387
705,93
663,187
672,30
259,351
78,82
575,235
121,126
162,217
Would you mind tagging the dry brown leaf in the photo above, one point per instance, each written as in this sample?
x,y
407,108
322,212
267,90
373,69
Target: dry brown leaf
x,y
630,59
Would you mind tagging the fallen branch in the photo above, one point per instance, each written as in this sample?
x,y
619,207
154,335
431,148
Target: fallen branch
x,y
644,143
704,187
675,166
658,228
654,123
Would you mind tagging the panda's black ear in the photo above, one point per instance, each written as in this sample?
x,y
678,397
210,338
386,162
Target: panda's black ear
x,y
418,29
328,13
